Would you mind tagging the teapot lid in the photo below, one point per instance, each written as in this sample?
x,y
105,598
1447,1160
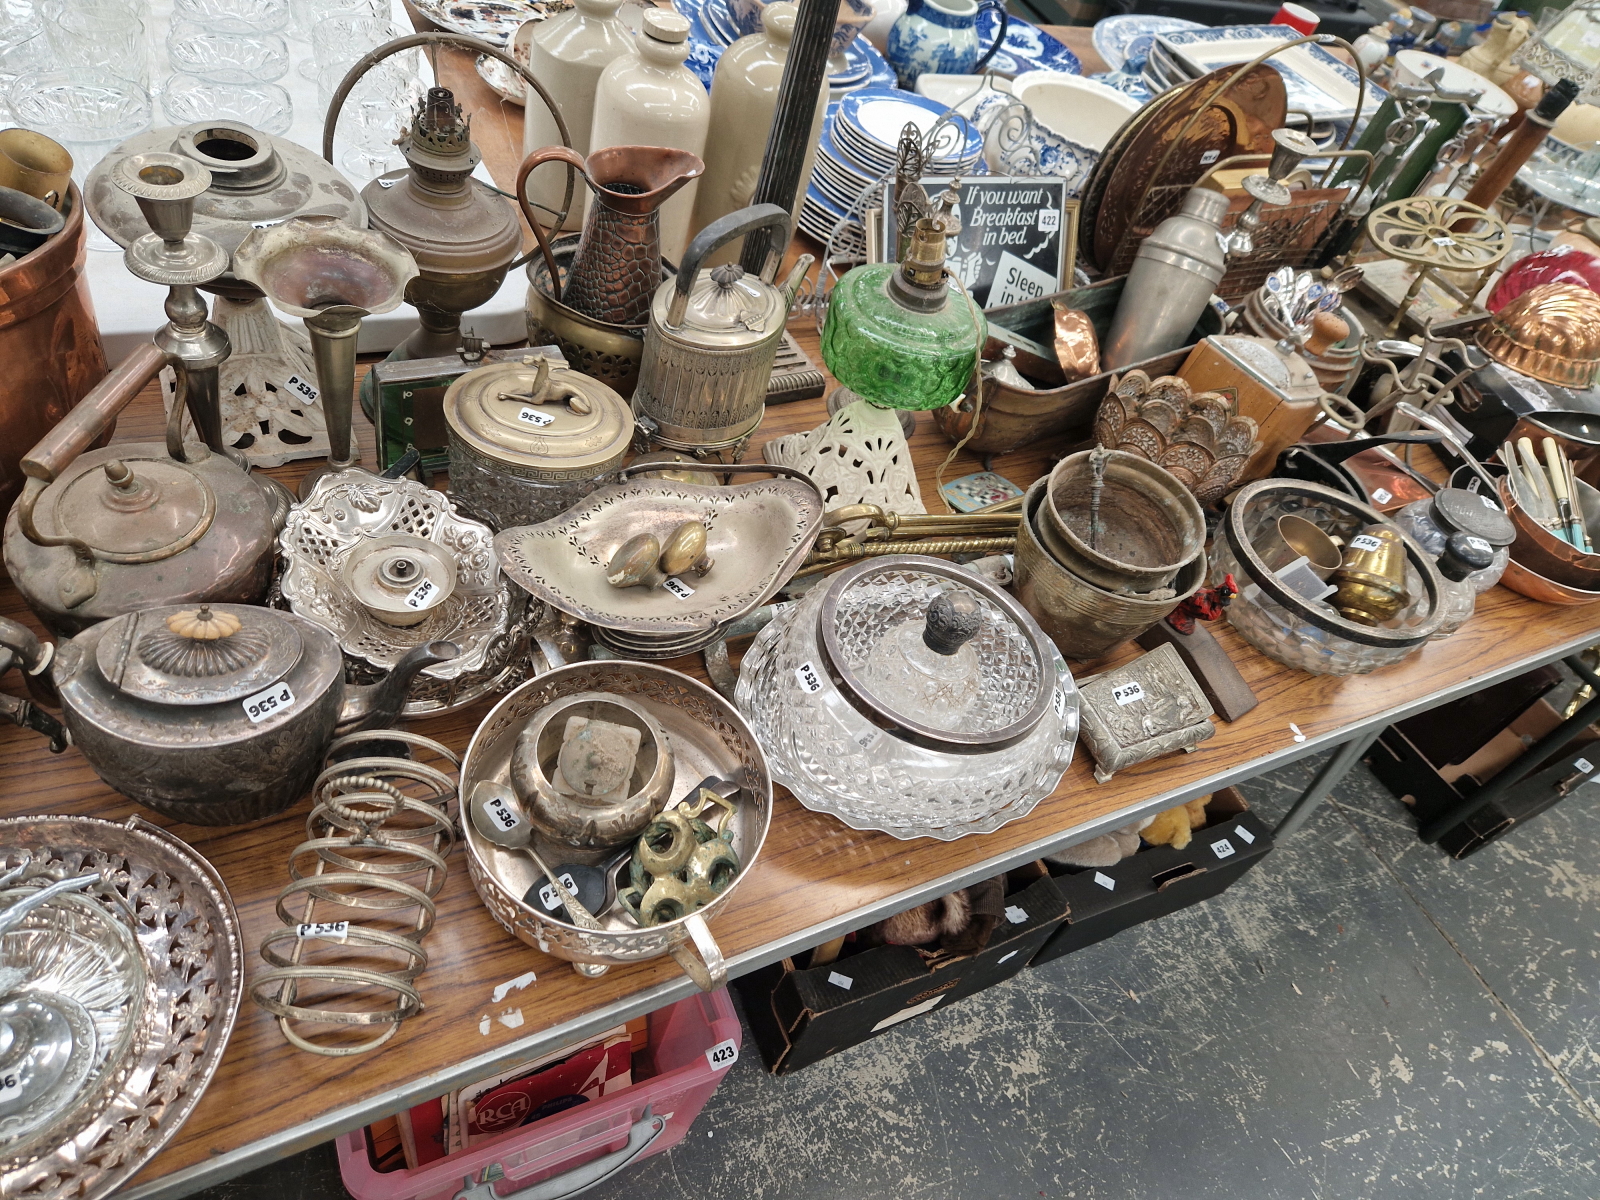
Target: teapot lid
x,y
202,654
130,510
727,308
529,414
916,611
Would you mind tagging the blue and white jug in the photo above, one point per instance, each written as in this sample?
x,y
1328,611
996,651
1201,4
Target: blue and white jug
x,y
941,37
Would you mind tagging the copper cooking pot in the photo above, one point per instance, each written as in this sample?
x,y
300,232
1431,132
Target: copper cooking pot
x,y
49,342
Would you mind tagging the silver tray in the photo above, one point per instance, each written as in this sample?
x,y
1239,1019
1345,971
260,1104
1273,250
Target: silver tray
x,y
487,618
708,737
188,931
757,533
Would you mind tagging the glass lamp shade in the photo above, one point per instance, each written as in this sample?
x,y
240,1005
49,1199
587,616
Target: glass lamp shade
x,y
893,355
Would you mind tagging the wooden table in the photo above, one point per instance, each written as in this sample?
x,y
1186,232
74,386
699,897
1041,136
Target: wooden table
x,y
814,880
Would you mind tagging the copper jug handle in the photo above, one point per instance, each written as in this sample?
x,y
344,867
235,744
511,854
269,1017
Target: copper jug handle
x,y
574,160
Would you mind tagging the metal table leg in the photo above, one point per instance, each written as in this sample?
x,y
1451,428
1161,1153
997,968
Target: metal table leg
x,y
1329,777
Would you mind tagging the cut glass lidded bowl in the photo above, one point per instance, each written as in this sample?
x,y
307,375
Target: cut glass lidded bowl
x,y
911,696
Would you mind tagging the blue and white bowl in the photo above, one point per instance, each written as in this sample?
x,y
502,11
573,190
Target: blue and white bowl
x,y
1074,119
1130,83
1124,41
1026,48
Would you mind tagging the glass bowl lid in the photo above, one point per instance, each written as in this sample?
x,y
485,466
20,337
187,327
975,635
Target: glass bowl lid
x,y
936,654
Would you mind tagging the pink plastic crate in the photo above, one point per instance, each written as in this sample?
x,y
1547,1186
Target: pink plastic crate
x,y
590,1141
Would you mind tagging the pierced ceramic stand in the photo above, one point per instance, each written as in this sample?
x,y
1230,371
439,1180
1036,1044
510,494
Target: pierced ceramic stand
x,y
331,276
859,433
255,385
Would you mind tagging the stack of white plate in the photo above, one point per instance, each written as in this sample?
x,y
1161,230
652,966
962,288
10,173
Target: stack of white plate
x,y
1317,82
857,152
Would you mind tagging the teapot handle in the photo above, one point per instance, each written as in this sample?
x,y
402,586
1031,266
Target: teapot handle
x,y
93,415
716,234
574,160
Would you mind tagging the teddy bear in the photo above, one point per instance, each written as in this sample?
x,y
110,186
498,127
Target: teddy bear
x,y
1174,827
1104,851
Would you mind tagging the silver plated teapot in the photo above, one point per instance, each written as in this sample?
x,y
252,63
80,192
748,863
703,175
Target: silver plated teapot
x,y
215,714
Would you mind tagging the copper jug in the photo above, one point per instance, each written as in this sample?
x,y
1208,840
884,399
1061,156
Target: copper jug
x,y
617,267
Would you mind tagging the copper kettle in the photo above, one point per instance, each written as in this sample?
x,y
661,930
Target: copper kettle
x,y
98,533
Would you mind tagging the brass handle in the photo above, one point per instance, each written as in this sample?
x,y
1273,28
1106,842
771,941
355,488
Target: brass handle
x,y
93,415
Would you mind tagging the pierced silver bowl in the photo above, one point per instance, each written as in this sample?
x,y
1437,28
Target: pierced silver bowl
x,y
488,618
145,963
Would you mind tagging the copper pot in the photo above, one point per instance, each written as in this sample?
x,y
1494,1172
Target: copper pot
x,y
49,341
1539,550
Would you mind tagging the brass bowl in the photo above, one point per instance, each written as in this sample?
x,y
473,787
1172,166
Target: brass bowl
x,y
1539,550
1551,332
1534,586
1152,526
1084,621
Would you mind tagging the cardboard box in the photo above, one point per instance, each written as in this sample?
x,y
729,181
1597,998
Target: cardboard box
x,y
1158,879
801,1014
1406,762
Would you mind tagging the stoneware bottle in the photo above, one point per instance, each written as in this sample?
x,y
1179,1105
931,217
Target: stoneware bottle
x,y
567,54
744,96
647,97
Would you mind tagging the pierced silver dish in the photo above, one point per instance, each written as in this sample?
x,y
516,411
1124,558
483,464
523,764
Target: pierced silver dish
x,y
150,956
72,992
487,618
756,533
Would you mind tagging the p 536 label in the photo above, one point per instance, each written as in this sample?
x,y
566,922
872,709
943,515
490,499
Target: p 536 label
x,y
276,699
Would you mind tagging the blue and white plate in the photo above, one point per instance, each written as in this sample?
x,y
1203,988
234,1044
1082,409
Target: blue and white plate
x,y
1026,48
882,75
1128,83
719,22
1125,40
703,60
1317,82
869,123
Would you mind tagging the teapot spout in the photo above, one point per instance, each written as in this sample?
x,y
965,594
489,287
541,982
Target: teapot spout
x,y
378,705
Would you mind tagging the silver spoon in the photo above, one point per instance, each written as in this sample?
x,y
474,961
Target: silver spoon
x,y
498,816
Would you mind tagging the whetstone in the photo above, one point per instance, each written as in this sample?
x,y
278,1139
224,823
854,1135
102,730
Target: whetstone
x,y
1210,665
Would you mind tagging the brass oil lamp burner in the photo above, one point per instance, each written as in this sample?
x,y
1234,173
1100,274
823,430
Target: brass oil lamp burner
x,y
463,235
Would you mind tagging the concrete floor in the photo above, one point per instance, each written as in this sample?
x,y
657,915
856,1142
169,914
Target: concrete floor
x,y
1358,1018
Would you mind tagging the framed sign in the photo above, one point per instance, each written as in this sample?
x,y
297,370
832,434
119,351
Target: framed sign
x,y
1018,238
